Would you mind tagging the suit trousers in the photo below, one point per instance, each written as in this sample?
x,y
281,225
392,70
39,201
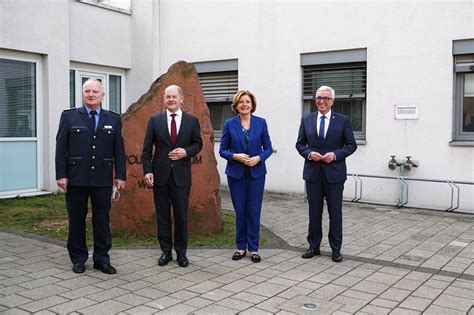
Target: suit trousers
x,y
165,196
76,201
316,192
247,196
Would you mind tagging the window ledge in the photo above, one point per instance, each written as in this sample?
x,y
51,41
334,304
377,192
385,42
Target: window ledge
x,y
106,6
361,142
458,143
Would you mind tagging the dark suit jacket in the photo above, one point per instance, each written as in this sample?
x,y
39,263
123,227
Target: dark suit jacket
x,y
158,162
339,139
86,159
232,142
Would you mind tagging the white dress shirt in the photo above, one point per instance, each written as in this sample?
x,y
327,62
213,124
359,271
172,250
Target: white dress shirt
x,y
326,123
177,118
326,126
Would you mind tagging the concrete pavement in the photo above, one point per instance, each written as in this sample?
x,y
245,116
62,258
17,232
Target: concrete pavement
x,y
397,261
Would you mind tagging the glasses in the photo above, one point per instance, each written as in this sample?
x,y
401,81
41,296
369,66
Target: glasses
x,y
325,99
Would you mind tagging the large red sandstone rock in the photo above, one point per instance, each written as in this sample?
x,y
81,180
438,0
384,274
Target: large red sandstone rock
x,y
135,211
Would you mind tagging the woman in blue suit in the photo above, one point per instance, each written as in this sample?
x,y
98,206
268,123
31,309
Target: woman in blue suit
x,y
245,144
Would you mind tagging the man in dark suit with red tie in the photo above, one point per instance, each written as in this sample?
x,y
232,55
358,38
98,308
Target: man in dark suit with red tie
x,y
176,138
325,140
89,147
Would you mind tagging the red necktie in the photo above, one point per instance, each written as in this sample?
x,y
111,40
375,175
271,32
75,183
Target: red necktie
x,y
173,129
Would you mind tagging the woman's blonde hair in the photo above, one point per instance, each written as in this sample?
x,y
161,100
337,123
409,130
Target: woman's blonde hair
x,y
237,98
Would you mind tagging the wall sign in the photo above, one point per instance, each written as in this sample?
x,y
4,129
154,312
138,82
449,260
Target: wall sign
x,y
406,111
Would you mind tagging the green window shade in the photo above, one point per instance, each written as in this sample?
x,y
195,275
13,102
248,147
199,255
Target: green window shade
x,y
72,89
115,92
469,85
468,103
17,98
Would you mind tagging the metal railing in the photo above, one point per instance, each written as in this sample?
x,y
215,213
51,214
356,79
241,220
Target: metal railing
x,y
404,188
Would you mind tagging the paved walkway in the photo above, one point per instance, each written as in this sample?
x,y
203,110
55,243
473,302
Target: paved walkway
x,y
397,261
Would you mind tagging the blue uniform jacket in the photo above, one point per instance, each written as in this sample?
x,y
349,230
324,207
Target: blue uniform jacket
x,y
86,159
232,142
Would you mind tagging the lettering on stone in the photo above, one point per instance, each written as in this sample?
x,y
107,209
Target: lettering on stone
x,y
137,159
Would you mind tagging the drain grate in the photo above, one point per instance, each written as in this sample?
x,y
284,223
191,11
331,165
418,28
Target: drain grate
x,y
310,306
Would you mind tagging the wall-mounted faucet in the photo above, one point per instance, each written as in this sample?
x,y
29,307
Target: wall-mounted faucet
x,y
409,163
405,165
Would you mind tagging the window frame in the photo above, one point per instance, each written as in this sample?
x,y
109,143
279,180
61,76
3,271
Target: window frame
x,y
37,60
338,57
460,47
105,4
104,76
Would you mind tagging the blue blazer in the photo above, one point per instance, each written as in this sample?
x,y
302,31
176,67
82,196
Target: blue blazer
x,y
339,139
232,141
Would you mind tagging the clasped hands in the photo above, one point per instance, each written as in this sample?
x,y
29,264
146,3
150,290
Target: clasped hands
x,y
174,155
246,159
328,157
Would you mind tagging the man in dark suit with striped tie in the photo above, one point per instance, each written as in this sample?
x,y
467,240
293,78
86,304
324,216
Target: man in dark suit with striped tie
x,y
176,138
325,140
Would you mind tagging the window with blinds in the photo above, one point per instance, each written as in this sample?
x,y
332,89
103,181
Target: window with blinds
x,y
219,89
463,124
219,86
17,99
349,80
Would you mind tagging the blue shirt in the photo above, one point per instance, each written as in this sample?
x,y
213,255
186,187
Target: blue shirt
x,y
96,116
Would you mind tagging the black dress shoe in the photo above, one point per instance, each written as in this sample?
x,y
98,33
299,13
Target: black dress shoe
x,y
238,256
165,259
337,257
183,261
78,268
311,252
105,268
255,258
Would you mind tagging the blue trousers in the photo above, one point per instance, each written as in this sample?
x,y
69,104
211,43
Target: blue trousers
x,y
247,196
332,192
76,202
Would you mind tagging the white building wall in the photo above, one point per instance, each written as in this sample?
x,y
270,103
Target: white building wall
x,y
99,36
409,61
145,48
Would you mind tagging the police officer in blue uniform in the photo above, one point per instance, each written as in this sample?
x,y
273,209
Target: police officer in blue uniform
x,y
89,148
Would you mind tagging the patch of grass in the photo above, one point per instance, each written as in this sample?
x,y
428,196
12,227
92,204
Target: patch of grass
x,y
47,216
27,214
